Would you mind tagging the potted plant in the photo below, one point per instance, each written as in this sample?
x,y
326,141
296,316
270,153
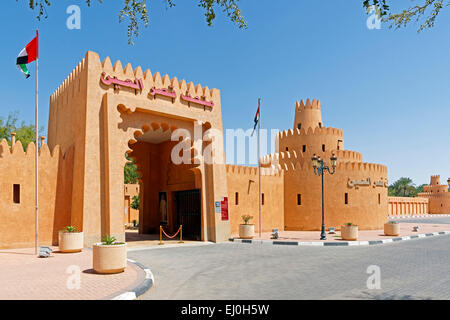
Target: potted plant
x,y
109,256
392,228
349,231
246,230
70,240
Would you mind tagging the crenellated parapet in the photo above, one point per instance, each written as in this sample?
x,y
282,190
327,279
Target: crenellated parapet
x,y
310,132
150,80
252,171
17,154
72,85
300,106
276,159
357,167
311,140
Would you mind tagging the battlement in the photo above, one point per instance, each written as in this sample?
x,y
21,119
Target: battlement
x,y
150,80
310,131
252,171
342,155
315,104
18,153
346,166
72,84
435,180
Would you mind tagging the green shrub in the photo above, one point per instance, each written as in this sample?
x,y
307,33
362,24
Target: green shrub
x,y
110,241
246,218
69,229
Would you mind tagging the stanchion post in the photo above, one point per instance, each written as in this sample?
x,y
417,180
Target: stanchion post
x,y
181,234
160,235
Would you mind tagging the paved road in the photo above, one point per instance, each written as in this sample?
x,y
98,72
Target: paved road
x,y
416,269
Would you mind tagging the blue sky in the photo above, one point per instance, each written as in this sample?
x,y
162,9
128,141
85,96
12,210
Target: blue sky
x,y
388,89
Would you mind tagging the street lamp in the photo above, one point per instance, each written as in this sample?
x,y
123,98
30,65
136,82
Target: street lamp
x,y
320,168
448,181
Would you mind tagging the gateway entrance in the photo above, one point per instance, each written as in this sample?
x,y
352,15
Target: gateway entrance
x,y
188,206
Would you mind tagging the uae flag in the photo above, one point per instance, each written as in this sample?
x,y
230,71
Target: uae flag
x,y
29,54
257,116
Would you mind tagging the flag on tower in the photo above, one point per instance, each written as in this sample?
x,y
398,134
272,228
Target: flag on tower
x,y
256,120
257,117
29,54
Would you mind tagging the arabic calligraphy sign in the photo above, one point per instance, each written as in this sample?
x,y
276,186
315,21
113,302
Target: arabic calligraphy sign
x,y
163,92
138,85
202,101
367,183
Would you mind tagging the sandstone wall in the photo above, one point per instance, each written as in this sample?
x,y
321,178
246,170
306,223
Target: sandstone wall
x,y
17,220
244,181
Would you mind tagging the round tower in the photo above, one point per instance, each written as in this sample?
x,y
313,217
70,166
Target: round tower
x,y
435,180
308,115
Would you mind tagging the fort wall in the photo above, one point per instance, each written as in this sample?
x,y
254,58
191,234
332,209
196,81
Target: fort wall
x,y
399,206
356,193
17,194
243,190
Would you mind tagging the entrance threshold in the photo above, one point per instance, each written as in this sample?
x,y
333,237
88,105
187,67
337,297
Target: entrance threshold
x,y
134,239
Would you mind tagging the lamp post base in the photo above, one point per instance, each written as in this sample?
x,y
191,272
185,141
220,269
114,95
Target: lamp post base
x,y
323,235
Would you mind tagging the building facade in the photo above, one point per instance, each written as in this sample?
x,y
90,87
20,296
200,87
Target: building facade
x,y
103,112
438,196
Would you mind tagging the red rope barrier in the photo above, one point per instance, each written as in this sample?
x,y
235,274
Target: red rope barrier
x,y
170,236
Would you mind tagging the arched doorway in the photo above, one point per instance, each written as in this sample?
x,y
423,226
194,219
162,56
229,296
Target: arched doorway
x,y
170,194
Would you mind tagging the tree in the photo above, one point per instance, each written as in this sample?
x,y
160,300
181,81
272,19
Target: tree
x,y
429,9
25,133
135,11
135,203
130,173
403,187
419,189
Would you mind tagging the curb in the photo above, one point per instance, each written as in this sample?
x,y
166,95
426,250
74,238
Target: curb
x,y
140,289
339,244
420,216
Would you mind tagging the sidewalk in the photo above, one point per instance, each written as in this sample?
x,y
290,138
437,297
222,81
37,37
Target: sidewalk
x,y
363,235
23,276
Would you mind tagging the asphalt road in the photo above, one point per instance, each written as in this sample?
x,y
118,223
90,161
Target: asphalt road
x,y
416,269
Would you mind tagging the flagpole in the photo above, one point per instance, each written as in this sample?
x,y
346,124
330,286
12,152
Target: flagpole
x,y
37,148
259,165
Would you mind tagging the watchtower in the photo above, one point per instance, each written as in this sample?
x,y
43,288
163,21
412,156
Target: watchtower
x,y
308,115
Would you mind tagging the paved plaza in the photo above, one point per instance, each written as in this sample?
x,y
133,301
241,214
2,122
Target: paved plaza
x,y
416,269
23,276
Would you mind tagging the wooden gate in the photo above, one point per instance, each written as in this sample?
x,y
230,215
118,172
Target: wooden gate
x,y
188,204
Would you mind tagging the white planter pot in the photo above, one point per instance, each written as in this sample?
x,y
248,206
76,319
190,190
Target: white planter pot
x,y
70,241
349,232
391,229
109,258
246,231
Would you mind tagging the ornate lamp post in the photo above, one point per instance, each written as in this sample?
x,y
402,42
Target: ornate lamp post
x,y
320,168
